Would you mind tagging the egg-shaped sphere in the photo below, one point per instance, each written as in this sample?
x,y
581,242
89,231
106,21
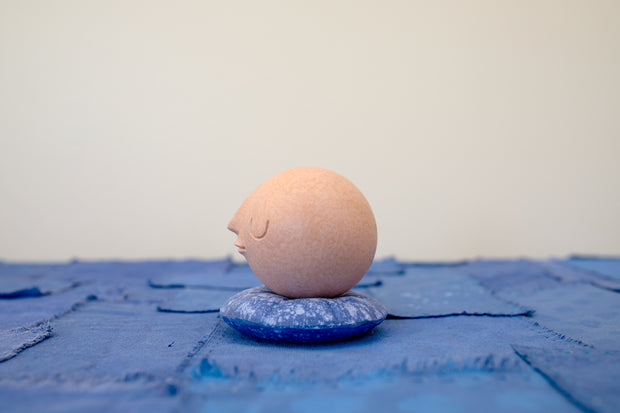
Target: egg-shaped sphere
x,y
306,232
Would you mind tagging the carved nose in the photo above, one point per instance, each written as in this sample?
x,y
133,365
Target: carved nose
x,y
233,225
235,222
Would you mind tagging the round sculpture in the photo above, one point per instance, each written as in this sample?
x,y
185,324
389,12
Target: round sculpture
x,y
306,232
261,313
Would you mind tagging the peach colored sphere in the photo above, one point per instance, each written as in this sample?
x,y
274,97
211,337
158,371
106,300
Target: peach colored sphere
x,y
306,232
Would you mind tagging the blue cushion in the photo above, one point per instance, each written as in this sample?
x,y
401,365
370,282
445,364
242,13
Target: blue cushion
x,y
261,313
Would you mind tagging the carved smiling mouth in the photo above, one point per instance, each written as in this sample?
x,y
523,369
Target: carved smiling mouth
x,y
242,248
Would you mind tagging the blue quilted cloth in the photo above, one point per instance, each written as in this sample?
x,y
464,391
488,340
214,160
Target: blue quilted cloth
x,y
484,335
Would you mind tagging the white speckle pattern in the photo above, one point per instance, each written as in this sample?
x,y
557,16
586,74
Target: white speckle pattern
x,y
270,312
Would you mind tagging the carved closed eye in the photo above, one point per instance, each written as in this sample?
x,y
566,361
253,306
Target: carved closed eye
x,y
258,231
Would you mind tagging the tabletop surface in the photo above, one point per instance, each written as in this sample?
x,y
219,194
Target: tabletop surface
x,y
481,335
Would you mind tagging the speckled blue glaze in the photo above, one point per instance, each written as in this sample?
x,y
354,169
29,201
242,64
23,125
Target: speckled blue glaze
x,y
261,313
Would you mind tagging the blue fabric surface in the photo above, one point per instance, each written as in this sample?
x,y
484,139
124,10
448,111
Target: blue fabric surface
x,y
568,274
65,396
604,273
415,346
581,311
13,341
32,311
472,390
589,378
19,281
190,300
521,276
486,335
606,267
107,342
438,291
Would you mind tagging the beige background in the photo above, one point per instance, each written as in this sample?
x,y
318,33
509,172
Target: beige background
x,y
134,129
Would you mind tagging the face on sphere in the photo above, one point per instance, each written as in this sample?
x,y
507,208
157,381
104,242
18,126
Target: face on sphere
x,y
306,232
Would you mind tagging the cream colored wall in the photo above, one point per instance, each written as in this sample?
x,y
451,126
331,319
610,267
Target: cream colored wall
x,y
134,129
